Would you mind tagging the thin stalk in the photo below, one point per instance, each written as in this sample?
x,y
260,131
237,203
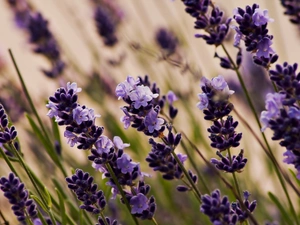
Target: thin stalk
x,y
234,177
197,192
55,158
103,218
8,163
115,179
5,221
28,220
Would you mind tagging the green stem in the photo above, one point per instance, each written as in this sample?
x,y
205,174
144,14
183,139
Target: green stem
x,y
8,163
5,221
33,182
115,179
154,221
103,218
28,220
279,175
197,192
55,157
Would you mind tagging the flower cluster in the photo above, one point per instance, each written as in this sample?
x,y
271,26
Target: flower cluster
x,y
216,108
252,29
8,134
39,35
144,105
211,23
107,20
18,197
220,211
292,9
143,112
166,40
107,156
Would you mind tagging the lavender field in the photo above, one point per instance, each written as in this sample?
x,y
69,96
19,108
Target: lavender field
x,y
163,112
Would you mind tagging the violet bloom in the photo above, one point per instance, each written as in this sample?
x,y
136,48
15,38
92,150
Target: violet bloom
x,y
53,112
274,103
238,36
203,101
141,96
260,17
72,138
119,143
80,114
104,144
126,119
171,97
123,89
152,121
73,86
294,113
219,83
264,48
291,158
139,203
125,164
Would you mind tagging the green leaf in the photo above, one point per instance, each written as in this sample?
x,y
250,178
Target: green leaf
x,y
285,215
59,187
48,197
62,207
42,218
39,202
42,138
56,132
295,177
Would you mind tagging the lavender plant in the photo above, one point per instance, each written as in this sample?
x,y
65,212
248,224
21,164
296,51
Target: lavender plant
x,y
168,132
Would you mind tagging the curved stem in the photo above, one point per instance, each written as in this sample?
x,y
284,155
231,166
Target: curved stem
x,y
5,221
55,158
234,177
115,179
197,192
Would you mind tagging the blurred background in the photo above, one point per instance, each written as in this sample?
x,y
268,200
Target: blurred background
x,y
98,68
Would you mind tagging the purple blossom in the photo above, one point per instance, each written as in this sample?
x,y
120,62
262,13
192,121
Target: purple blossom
x,y
73,86
141,96
152,122
72,138
125,164
53,112
274,103
219,83
104,144
203,101
264,48
291,158
126,119
171,97
260,17
119,143
238,36
294,112
123,89
139,203
80,114
265,117
182,157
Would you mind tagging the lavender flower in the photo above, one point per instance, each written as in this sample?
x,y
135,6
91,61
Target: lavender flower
x,y
18,197
107,156
166,40
82,185
216,107
252,28
106,26
292,9
39,35
8,133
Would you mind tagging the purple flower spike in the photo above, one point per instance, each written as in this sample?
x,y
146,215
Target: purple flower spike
x,y
139,203
293,159
126,119
152,122
125,164
260,17
73,86
123,89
